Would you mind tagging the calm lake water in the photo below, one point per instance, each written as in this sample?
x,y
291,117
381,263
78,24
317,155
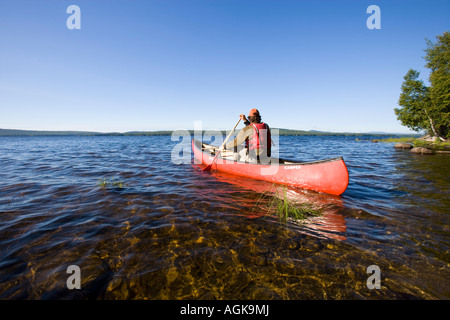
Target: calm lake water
x,y
175,232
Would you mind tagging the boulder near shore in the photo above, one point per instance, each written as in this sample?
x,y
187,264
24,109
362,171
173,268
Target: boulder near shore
x,y
421,150
403,145
423,145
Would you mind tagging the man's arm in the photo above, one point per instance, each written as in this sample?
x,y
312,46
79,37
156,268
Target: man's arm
x,y
243,118
243,135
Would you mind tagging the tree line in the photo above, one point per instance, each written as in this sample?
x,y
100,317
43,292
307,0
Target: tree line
x,y
427,108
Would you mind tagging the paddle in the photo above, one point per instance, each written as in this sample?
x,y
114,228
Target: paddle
x,y
208,167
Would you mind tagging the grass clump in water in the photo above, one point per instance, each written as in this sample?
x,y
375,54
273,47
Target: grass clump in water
x,y
285,208
113,183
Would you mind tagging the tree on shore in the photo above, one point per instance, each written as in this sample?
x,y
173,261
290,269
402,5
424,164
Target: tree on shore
x,y
428,107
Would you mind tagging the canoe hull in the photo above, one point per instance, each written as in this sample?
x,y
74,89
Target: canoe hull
x,y
328,176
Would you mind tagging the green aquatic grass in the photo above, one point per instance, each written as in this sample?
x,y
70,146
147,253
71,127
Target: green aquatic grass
x,y
417,142
110,183
404,139
437,145
285,208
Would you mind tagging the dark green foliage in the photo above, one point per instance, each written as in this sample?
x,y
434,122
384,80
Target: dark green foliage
x,y
413,101
438,60
428,108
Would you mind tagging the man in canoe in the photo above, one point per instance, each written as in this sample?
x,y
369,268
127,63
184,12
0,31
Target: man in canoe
x,y
257,139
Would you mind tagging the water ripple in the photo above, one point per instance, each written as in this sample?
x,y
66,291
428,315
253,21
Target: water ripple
x,y
175,232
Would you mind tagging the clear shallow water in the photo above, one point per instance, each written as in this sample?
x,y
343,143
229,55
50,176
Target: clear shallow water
x,y
175,232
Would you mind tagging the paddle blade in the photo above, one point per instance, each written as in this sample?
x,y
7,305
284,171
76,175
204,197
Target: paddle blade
x,y
208,167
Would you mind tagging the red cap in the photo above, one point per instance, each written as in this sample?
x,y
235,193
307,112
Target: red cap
x,y
253,112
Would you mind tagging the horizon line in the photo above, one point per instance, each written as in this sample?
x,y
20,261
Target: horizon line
x,y
203,130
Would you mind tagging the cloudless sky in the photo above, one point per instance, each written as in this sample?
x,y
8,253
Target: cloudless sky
x,y
163,64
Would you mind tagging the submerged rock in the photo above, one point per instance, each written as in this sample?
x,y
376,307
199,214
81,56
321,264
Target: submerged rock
x,y
402,145
421,150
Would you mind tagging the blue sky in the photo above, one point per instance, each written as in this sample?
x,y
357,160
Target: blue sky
x,y
163,64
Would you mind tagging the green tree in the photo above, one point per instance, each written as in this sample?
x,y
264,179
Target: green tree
x,y
413,101
428,108
438,60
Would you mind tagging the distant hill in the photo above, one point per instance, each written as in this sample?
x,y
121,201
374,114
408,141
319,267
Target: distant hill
x,y
291,132
16,132
283,132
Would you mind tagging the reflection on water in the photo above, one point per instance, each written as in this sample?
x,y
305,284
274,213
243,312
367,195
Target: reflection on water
x,y
329,224
175,232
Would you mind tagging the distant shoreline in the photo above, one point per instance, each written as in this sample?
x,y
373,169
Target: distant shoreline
x,y
282,132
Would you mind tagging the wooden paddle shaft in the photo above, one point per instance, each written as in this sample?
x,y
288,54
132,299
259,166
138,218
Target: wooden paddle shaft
x,y
229,135
220,149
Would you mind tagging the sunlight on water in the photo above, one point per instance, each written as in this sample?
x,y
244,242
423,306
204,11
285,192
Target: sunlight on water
x,y
175,232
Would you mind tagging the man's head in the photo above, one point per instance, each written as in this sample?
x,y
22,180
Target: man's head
x,y
254,116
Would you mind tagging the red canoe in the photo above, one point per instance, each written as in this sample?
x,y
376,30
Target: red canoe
x,y
328,176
